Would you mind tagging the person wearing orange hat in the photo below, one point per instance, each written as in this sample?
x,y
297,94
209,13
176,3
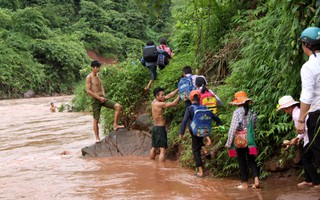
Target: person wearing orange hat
x,y
197,142
292,107
241,119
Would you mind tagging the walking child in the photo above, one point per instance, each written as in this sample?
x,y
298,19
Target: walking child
x,y
197,135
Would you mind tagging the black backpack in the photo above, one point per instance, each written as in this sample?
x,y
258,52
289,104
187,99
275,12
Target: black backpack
x,y
150,53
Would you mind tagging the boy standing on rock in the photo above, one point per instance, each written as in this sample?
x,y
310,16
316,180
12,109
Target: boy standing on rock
x,y
95,89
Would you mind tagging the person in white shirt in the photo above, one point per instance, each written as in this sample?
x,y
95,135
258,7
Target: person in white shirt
x,y
310,94
291,107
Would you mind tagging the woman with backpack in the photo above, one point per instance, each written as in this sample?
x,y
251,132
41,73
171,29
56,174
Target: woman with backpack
x,y
197,141
241,139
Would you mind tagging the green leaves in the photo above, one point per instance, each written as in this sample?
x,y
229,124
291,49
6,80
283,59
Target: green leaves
x,y
35,28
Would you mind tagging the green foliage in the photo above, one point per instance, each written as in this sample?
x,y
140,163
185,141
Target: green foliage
x,y
62,58
10,4
97,41
18,72
5,19
97,18
35,28
123,83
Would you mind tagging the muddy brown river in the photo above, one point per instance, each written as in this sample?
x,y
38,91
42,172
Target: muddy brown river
x,y
40,154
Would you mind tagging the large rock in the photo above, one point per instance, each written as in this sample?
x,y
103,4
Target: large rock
x,y
29,94
120,143
143,122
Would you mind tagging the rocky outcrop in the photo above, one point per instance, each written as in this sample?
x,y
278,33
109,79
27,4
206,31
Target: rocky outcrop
x,y
29,94
120,143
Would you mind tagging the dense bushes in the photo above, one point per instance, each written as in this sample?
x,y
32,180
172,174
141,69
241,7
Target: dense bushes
x,y
52,37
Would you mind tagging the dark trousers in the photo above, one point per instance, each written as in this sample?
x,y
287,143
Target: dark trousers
x,y
313,125
244,160
310,172
197,143
187,103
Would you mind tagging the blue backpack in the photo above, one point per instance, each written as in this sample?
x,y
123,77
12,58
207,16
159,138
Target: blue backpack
x,y
201,122
185,86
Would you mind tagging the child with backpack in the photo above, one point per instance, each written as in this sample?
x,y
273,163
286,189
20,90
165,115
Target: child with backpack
x,y
186,85
208,97
199,119
291,107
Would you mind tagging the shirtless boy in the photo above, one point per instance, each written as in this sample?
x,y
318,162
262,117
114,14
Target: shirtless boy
x,y
95,89
159,133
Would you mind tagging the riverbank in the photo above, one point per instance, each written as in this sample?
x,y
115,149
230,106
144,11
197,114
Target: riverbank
x,y
41,159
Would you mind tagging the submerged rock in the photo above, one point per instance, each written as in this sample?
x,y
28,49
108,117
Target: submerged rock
x,y
120,143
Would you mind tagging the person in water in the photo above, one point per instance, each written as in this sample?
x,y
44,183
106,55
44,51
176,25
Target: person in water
x,y
53,107
95,89
159,133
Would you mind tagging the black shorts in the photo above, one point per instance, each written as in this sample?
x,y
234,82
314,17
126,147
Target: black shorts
x,y
159,137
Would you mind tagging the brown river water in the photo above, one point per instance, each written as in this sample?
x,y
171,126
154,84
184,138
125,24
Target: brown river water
x,y
40,158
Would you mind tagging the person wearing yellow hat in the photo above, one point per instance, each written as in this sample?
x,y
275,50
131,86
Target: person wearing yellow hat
x,y
292,107
197,142
240,120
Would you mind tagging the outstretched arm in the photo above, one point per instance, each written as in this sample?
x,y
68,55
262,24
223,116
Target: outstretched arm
x,y
171,94
171,104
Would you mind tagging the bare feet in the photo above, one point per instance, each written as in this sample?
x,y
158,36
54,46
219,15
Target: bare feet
x,y
256,184
199,175
243,186
116,127
305,183
97,140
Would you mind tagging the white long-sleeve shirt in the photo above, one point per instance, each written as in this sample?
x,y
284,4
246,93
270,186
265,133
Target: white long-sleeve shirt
x,y
310,78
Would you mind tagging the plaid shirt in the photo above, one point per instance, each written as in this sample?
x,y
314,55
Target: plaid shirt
x,y
239,117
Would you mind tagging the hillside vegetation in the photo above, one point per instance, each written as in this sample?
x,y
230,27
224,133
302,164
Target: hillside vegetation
x,y
238,45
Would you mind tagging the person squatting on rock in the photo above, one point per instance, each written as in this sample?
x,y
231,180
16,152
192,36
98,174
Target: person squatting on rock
x,y
310,94
246,156
159,133
197,142
291,107
95,89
